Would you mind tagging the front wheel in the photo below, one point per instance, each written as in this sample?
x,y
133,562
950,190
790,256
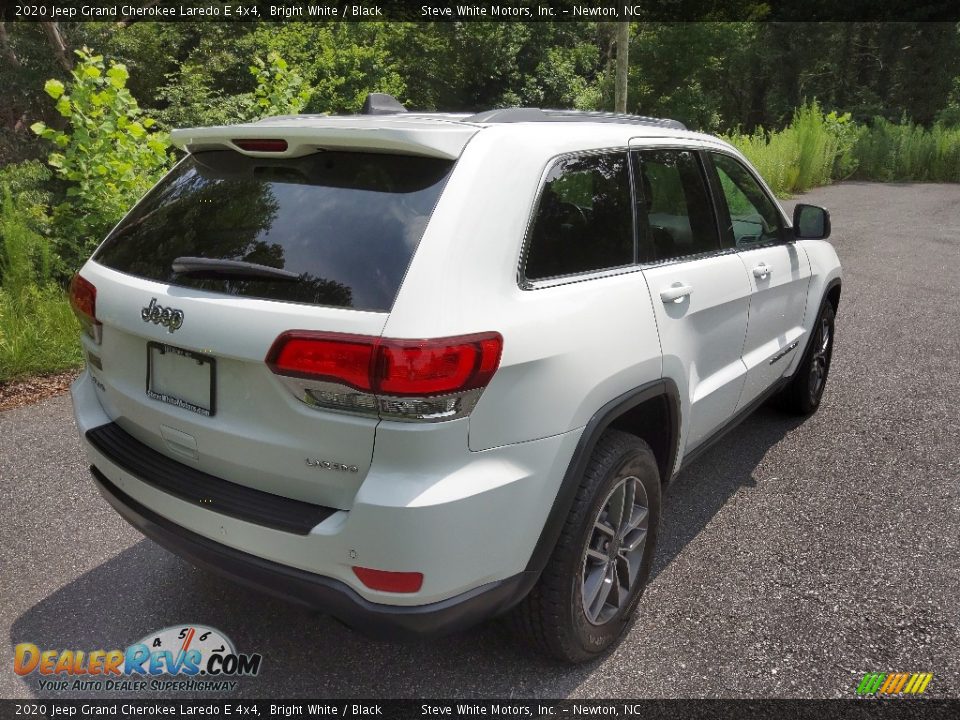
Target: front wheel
x,y
802,396
586,595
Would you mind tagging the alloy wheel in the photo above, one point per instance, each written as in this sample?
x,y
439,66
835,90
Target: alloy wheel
x,y
614,551
820,362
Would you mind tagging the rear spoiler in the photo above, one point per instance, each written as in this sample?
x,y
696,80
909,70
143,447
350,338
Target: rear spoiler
x,y
305,135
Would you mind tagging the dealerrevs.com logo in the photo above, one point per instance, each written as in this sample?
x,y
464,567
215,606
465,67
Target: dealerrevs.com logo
x,y
177,658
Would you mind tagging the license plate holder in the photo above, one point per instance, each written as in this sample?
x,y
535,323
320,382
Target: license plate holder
x,y
181,378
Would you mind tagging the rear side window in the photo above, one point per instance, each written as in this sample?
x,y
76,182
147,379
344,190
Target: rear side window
x,y
583,221
674,213
343,225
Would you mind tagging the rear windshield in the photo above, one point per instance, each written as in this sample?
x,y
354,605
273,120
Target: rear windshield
x,y
345,223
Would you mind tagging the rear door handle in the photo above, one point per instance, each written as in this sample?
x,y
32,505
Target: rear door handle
x,y
676,292
762,270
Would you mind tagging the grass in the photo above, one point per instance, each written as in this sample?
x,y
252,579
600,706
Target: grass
x,y
797,158
38,334
904,152
817,148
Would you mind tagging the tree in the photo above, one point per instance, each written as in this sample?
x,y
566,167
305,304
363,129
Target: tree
x,y
108,153
623,66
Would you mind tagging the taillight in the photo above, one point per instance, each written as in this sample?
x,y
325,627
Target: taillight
x,y
389,581
343,359
436,379
434,367
261,145
83,300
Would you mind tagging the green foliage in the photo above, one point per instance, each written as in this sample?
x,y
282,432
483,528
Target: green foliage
x,y
905,151
29,182
814,149
949,116
24,255
817,148
38,333
108,152
847,134
339,62
280,90
896,85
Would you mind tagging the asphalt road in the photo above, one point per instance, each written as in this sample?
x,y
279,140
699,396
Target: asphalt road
x,y
794,558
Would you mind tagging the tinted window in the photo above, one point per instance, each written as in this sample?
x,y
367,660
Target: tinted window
x,y
674,214
754,219
347,224
583,221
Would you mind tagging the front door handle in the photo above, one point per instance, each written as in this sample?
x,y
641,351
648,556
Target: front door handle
x,y
676,293
762,270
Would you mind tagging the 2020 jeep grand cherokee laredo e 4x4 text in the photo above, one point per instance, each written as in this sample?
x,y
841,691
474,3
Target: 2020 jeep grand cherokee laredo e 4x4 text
x,y
421,369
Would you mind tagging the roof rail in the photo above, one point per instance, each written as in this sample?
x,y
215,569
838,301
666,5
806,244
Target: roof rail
x,y
514,115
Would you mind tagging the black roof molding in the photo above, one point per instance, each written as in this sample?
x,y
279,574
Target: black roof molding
x,y
381,104
515,115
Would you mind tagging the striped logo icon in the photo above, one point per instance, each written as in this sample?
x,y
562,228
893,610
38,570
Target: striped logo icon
x,y
894,683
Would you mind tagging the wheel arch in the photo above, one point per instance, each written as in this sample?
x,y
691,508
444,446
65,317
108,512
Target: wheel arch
x,y
832,294
652,412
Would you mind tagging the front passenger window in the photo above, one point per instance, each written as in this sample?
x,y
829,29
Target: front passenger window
x,y
754,219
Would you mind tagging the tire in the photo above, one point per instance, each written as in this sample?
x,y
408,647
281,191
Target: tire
x,y
554,617
803,394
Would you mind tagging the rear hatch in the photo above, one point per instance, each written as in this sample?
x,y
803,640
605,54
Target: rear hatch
x,y
226,253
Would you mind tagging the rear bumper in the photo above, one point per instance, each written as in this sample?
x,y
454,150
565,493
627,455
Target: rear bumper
x,y
316,591
468,521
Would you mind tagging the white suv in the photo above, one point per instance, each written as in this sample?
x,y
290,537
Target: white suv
x,y
417,370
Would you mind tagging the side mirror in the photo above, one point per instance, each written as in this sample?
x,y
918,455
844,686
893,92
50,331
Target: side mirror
x,y
811,222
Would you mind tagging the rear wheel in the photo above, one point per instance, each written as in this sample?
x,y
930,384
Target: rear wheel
x,y
586,595
802,396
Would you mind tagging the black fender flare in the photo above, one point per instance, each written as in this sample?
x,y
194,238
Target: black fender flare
x,y
836,282
601,420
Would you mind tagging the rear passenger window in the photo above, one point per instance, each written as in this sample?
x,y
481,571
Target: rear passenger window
x,y
674,213
583,221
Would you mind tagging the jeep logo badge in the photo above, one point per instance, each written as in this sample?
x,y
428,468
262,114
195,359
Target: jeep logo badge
x,y
170,318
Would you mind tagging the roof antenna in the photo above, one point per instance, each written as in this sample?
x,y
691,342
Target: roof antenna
x,y
381,104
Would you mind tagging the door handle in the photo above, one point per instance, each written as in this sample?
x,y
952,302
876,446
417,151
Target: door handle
x,y
762,270
676,292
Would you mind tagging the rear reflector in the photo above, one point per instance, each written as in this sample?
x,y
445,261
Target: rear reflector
x,y
261,145
83,300
388,581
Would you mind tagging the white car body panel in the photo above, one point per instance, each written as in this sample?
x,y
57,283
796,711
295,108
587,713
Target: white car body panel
x,y
777,304
463,501
702,339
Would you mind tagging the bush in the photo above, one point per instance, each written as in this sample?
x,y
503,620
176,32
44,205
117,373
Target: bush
x,y
38,333
108,153
24,255
279,91
905,151
812,150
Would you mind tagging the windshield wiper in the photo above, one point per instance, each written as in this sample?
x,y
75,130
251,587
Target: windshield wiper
x,y
232,268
